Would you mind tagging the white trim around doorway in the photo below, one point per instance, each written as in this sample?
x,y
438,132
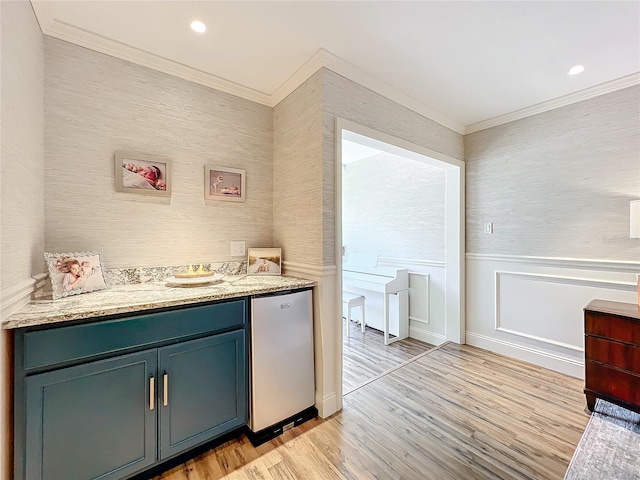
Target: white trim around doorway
x,y
454,215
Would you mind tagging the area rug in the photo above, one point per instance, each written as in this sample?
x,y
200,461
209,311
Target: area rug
x,y
610,446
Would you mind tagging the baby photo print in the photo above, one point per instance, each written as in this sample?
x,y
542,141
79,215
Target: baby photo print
x,y
142,174
221,183
75,273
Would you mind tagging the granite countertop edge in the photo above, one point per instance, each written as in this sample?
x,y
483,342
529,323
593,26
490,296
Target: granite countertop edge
x,y
143,297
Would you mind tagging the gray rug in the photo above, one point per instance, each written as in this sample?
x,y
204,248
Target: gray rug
x,y
610,446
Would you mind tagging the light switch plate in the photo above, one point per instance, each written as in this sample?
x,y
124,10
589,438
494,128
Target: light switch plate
x,y
238,249
488,228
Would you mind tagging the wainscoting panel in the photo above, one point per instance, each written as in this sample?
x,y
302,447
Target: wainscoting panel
x,y
542,307
532,309
419,298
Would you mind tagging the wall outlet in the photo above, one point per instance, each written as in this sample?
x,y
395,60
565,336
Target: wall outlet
x,y
488,228
238,249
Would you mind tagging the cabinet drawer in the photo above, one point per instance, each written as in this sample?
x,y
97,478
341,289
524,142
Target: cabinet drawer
x,y
616,328
616,383
616,354
45,348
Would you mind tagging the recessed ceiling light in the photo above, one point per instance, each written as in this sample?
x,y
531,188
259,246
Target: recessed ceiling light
x,y
576,70
198,26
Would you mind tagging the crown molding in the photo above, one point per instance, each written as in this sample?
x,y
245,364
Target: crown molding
x,y
346,69
321,59
587,93
324,59
43,13
64,31
304,73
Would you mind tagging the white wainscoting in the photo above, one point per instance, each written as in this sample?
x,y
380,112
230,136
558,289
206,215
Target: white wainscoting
x,y
532,308
426,299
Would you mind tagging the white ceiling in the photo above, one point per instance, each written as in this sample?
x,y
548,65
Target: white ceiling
x,y
463,64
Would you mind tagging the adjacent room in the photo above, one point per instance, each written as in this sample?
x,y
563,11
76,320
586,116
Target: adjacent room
x,y
393,263
305,240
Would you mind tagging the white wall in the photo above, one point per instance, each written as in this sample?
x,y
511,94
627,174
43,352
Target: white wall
x,y
557,187
96,105
21,184
394,207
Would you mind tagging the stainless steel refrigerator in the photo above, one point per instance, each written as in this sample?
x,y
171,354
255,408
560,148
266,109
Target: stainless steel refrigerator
x,y
282,383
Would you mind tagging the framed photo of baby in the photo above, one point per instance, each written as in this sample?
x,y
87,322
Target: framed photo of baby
x,y
75,272
142,174
221,183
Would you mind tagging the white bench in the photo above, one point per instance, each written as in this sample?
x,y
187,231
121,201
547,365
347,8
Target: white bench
x,y
352,300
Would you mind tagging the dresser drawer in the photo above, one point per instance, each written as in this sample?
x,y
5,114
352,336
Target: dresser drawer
x,y
615,354
615,383
615,328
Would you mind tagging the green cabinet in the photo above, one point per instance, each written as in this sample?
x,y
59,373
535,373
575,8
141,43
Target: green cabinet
x,y
106,400
203,391
91,421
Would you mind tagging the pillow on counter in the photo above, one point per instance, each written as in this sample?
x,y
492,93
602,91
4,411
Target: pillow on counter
x,y
76,272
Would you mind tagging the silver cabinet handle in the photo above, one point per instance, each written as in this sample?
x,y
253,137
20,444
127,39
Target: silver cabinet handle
x,y
165,401
152,393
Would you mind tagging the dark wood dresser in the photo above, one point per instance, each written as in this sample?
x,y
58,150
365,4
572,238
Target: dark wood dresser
x,y
612,353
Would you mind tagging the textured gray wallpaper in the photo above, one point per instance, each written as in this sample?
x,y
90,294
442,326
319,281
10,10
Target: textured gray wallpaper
x,y
22,178
394,207
348,100
297,174
558,184
96,105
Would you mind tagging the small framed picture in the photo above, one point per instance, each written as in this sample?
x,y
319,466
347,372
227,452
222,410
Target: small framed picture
x,y
264,261
76,272
142,174
221,183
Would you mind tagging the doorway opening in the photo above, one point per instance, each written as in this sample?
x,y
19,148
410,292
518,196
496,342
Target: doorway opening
x,y
430,247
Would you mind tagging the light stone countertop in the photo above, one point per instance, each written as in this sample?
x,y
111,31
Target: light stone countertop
x,y
139,297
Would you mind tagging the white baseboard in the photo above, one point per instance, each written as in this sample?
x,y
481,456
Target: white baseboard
x,y
426,336
556,362
327,405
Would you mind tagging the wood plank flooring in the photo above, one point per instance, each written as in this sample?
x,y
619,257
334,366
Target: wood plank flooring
x,y
365,356
456,413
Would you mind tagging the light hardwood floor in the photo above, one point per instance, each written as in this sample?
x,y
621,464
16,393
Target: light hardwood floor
x,y
365,355
456,413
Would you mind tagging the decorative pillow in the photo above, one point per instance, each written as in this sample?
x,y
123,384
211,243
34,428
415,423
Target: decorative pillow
x,y
76,272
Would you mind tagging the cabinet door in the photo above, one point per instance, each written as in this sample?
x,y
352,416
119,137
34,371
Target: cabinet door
x,y
91,421
203,392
